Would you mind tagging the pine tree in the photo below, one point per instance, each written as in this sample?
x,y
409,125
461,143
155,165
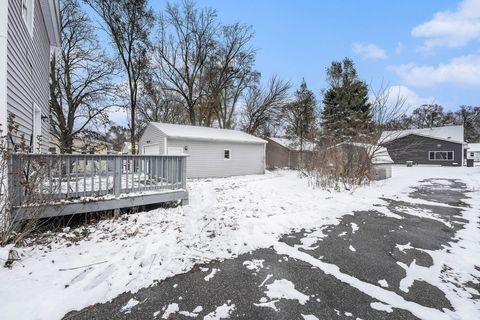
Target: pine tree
x,y
347,114
301,115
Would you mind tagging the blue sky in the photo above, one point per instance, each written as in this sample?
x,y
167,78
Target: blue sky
x,y
427,51
387,40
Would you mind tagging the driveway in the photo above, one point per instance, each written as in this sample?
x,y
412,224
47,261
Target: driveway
x,y
382,264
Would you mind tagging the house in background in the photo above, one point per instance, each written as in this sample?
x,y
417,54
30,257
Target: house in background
x,y
85,145
473,151
286,152
28,30
212,152
433,146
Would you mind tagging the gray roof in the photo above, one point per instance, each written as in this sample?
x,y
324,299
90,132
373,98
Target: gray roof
x,y
448,133
474,147
205,133
293,143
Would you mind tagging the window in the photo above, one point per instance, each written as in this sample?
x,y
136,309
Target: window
x,y
28,6
472,154
440,155
226,154
37,128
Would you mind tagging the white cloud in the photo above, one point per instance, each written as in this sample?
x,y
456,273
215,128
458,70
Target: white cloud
x,y
464,70
369,51
410,98
451,28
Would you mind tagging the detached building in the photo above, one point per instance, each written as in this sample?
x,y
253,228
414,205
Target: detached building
x,y
286,152
473,151
434,146
212,152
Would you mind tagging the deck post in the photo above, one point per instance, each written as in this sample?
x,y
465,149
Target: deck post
x,y
117,177
184,173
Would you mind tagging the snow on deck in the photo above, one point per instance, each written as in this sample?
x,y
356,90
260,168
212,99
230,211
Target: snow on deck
x,y
225,218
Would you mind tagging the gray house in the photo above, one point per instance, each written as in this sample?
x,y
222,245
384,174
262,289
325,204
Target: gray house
x,y
434,146
212,152
28,30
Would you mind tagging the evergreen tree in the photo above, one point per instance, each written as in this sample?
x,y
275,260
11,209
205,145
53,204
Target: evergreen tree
x,y
347,114
301,115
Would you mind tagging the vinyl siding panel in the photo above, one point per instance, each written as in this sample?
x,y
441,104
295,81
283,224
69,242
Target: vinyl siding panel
x,y
206,158
153,135
416,148
28,69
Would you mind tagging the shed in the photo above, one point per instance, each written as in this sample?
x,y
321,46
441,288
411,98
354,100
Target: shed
x,y
212,152
283,152
473,151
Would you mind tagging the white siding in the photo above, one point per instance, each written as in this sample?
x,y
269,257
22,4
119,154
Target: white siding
x,y
206,158
150,136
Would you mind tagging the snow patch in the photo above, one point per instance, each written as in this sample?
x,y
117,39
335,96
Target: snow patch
x,y
381,307
211,274
128,307
383,283
171,309
221,312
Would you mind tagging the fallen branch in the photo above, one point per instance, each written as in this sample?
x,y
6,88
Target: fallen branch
x,y
86,266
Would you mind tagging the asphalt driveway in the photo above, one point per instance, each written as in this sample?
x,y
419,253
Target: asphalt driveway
x,y
330,272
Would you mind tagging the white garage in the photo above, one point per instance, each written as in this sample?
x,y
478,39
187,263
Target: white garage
x,y
212,152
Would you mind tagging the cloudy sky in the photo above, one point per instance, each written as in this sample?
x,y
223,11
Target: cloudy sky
x,y
429,49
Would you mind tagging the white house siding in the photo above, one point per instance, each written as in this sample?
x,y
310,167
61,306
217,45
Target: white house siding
x,y
152,136
28,70
206,158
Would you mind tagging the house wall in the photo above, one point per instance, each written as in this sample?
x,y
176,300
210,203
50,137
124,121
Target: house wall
x,y
277,156
416,148
150,136
206,158
28,69
475,155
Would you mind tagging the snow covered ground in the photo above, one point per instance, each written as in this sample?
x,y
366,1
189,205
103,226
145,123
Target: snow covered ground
x,y
225,218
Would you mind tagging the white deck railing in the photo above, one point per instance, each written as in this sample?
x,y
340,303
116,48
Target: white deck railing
x,y
45,178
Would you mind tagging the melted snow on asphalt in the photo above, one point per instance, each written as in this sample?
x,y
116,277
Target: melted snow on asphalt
x,y
225,218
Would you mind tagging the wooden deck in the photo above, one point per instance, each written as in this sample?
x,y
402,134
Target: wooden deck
x,y
47,185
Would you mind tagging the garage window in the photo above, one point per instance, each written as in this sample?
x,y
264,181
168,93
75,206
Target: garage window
x,y
226,154
440,155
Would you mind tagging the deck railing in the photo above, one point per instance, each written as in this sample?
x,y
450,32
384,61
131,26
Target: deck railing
x,y
41,178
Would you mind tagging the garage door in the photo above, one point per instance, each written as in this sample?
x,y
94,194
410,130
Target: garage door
x,y
151,150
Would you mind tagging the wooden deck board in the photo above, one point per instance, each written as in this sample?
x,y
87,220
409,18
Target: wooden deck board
x,y
69,208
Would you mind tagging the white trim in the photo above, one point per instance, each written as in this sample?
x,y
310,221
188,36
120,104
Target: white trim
x,y
3,82
447,151
36,127
229,154
29,20
3,65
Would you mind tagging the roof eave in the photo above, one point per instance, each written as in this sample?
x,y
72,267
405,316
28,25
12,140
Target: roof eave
x,y
51,16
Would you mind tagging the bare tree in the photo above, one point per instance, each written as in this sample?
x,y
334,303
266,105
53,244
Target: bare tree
x,y
158,104
185,40
81,78
229,72
263,106
128,23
